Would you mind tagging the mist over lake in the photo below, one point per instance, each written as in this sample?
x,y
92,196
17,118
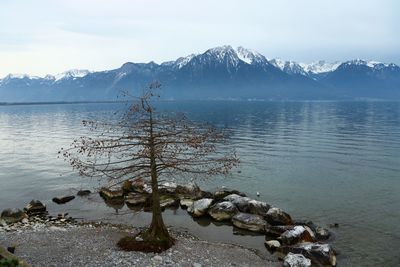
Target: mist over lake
x,y
330,162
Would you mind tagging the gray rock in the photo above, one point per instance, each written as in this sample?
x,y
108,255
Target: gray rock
x,y
258,207
222,193
35,207
157,258
297,234
190,191
276,216
277,230
322,254
13,215
135,199
169,201
200,207
83,193
223,211
167,187
296,260
251,222
248,205
272,244
111,194
63,200
322,233
186,202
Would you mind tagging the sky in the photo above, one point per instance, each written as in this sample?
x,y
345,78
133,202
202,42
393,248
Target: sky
x,y
41,37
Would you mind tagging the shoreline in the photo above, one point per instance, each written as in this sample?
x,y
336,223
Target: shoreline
x,y
91,243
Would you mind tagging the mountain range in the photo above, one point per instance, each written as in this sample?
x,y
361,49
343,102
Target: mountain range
x,y
218,73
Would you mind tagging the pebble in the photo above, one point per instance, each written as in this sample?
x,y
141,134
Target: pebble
x,y
157,258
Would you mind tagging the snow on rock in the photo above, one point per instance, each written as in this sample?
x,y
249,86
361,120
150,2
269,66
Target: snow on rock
x,y
296,260
74,73
320,66
289,67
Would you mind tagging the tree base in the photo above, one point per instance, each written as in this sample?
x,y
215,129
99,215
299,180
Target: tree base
x,y
143,243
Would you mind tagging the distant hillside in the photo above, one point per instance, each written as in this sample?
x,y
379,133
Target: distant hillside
x,y
218,73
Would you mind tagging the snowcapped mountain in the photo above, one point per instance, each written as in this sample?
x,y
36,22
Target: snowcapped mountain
x,y
218,73
74,73
290,67
320,66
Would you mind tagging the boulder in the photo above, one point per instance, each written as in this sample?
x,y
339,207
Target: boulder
x,y
272,244
251,222
297,234
167,188
276,216
13,215
319,254
190,191
111,194
296,260
200,207
186,202
168,201
83,193
258,207
135,199
240,202
127,186
277,230
138,185
223,211
63,200
322,233
35,207
221,193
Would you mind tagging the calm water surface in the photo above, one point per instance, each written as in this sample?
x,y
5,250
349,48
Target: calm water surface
x,y
325,161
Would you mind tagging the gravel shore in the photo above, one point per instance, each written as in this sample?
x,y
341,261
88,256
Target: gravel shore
x,y
87,245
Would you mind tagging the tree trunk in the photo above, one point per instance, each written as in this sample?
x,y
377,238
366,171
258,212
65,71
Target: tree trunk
x,y
157,232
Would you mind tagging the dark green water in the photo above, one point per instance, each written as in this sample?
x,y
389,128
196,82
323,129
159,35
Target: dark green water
x,y
330,162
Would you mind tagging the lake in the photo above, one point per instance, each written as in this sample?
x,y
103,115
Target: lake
x,y
329,162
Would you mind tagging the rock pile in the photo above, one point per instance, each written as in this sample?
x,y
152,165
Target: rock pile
x,y
283,234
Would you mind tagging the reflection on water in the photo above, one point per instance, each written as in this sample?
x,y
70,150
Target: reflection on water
x,y
325,161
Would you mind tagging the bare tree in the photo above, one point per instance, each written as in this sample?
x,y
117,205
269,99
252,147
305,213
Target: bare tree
x,y
148,144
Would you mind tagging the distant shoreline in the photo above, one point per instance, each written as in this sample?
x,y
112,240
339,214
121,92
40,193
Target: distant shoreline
x,y
56,103
185,100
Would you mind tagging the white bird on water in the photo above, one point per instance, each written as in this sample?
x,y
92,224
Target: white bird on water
x,y
258,194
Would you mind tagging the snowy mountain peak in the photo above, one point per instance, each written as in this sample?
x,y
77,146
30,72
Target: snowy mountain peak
x,y
249,56
289,67
320,66
74,73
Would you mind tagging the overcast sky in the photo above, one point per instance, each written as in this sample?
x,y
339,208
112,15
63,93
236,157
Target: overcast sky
x,y
46,36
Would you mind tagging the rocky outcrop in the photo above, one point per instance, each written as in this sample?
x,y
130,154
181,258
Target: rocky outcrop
x,y
251,222
200,207
296,260
13,215
223,211
63,200
322,254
